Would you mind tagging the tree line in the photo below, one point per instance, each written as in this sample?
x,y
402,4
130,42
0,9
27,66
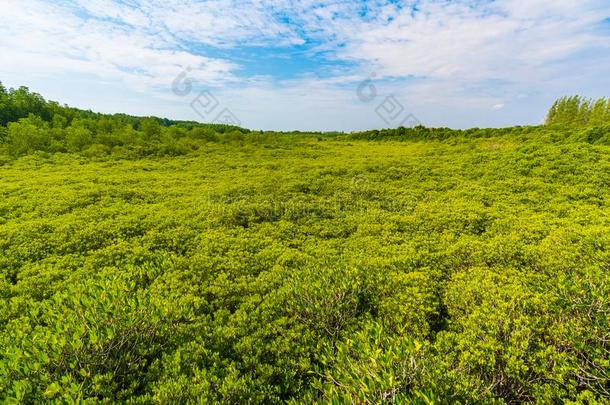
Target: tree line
x,y
30,124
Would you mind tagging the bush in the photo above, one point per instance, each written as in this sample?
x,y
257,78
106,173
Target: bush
x,y
78,139
96,151
102,336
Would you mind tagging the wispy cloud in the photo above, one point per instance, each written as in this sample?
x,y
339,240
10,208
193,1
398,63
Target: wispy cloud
x,y
48,38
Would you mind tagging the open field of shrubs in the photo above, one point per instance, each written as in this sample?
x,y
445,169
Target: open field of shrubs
x,y
405,266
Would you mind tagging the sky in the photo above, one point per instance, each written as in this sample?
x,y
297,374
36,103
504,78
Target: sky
x,y
310,65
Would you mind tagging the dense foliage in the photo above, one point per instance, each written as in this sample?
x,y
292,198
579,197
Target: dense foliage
x,y
407,266
579,112
29,124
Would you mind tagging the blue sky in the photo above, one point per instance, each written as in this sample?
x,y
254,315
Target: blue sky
x,y
283,64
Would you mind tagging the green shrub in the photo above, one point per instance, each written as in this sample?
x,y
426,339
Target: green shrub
x,y
25,137
96,151
78,139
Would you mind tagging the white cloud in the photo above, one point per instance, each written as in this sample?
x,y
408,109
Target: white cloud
x,y
40,38
506,40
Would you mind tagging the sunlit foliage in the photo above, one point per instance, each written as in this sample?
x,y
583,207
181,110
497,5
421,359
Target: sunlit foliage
x,y
579,112
406,266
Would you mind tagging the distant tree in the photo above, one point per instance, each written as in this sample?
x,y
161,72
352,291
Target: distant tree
x,y
59,121
599,112
552,115
23,102
4,105
577,112
78,138
27,135
174,132
105,125
151,128
206,134
570,110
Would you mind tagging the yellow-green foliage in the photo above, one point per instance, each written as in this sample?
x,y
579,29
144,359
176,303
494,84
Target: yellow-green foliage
x,y
267,268
578,112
